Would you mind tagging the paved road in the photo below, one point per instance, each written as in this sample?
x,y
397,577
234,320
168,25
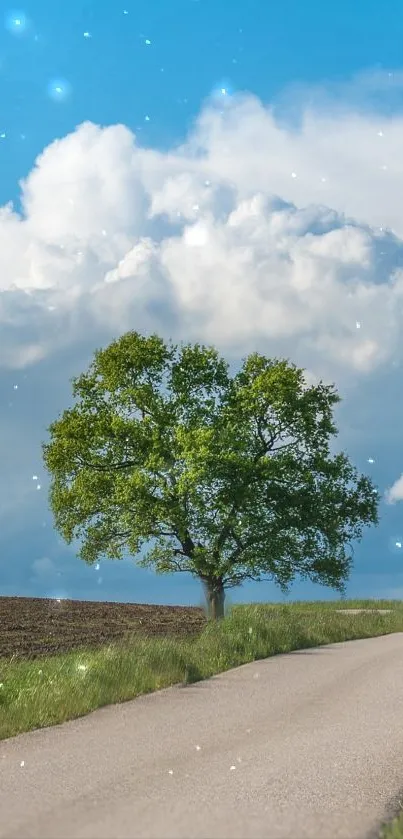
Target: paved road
x,y
307,745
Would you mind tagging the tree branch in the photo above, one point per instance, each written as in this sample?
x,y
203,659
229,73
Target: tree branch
x,y
108,467
240,546
236,580
266,447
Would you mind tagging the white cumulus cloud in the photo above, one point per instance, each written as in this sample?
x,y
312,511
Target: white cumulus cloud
x,y
214,238
395,492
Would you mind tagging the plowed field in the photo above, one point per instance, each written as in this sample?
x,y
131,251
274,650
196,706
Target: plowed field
x,y
32,627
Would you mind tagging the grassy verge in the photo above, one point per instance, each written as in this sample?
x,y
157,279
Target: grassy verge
x,y
50,690
393,830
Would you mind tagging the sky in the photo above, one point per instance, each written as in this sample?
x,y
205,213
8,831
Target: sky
x,y
228,173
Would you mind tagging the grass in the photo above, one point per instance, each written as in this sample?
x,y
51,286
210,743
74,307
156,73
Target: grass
x,y
393,830
54,688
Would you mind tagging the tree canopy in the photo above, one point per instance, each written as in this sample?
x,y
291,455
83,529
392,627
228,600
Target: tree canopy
x,y
228,478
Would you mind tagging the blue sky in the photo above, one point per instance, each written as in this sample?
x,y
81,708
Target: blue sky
x,y
171,161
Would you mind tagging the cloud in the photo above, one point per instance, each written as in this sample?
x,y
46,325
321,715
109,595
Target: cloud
x,y
395,492
214,240
335,149
262,231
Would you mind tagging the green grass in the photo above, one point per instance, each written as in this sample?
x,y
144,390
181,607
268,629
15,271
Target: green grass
x,y
393,830
47,691
314,605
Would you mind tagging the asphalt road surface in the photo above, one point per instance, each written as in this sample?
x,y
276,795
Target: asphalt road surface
x,y
308,744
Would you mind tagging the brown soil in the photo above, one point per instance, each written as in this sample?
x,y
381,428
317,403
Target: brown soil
x,y
31,626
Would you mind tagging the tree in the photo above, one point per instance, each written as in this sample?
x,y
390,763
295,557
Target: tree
x,y
227,478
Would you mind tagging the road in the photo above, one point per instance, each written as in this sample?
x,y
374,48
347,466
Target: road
x,y
307,745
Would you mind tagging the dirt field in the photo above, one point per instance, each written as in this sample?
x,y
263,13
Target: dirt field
x,y
31,627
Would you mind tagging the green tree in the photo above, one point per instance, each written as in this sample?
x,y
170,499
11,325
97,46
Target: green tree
x,y
229,478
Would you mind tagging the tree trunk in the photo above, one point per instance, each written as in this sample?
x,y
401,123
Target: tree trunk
x,y
215,596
